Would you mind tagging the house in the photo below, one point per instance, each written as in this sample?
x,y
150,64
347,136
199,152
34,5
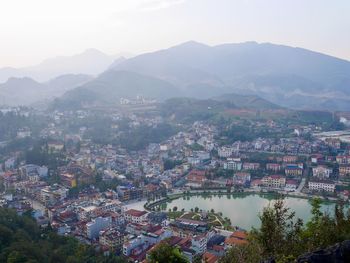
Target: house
x,y
209,258
343,159
233,165
293,170
321,185
275,167
33,170
135,216
251,166
136,247
289,159
10,178
291,185
183,227
225,152
333,142
237,238
10,163
82,174
98,224
199,243
126,193
202,155
241,178
322,171
344,170
111,238
196,178
256,183
274,181
55,146
50,195
23,133
345,194
68,180
316,158
194,161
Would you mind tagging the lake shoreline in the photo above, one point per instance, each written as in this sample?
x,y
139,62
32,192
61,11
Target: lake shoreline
x,y
242,208
172,197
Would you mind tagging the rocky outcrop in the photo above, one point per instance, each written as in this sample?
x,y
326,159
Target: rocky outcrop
x,y
339,253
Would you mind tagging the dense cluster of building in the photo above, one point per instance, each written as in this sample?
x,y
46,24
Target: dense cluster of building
x,y
191,160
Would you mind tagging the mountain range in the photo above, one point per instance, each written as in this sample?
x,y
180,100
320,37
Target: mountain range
x,y
287,76
112,85
90,62
26,91
278,73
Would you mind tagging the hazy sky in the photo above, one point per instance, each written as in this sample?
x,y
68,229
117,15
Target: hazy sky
x,y
32,30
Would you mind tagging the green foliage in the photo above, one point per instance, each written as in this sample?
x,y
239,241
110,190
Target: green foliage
x,y
166,253
246,254
188,110
41,155
283,237
244,132
196,147
170,164
11,122
21,240
138,138
279,232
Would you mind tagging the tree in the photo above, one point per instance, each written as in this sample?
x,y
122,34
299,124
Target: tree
x,y
249,253
21,240
166,253
279,232
16,257
323,230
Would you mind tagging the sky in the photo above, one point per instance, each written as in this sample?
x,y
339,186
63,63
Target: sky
x,y
33,30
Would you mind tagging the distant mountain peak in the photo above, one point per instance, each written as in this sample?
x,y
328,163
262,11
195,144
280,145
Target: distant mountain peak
x,y
90,62
16,80
116,62
191,44
93,51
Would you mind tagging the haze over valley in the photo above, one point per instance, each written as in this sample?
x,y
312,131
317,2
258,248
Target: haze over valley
x,y
290,77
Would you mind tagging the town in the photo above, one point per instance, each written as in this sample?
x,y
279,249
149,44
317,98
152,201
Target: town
x,y
108,177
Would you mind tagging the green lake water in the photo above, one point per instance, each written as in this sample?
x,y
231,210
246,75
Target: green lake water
x,y
243,209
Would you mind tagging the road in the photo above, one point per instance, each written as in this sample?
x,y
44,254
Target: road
x,y
301,185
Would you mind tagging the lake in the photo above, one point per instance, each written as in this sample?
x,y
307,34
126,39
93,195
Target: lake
x,y
243,209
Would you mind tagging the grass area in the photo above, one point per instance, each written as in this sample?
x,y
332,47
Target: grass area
x,y
175,214
213,219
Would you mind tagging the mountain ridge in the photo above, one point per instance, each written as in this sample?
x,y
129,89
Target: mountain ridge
x,y
26,91
89,62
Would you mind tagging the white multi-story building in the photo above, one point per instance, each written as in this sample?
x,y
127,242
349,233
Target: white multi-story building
x,y
322,171
135,216
321,185
137,245
98,224
225,152
111,206
274,181
291,185
53,194
233,165
199,242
